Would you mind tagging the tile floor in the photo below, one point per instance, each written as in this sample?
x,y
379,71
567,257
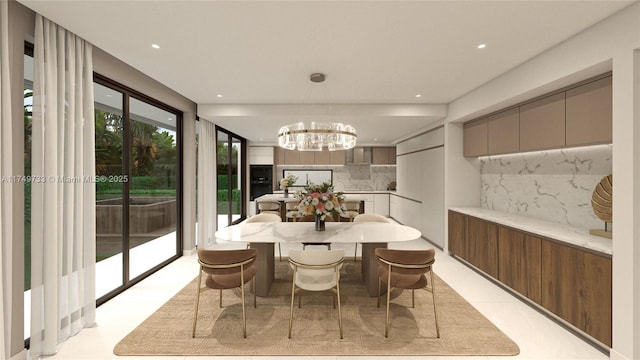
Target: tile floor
x,y
537,336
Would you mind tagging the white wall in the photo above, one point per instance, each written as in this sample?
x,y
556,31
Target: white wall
x,y
612,45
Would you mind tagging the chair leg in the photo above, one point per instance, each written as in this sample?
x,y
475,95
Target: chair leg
x,y
338,296
355,253
280,251
435,310
293,293
244,313
379,281
254,292
195,314
220,298
413,298
386,324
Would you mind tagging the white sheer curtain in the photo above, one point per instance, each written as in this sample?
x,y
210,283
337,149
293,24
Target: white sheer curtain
x,y
6,189
207,184
63,191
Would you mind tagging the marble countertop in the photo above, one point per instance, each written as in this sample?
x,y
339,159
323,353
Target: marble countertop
x,y
563,233
348,191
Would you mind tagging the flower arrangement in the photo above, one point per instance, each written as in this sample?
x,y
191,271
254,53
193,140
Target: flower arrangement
x,y
288,181
320,200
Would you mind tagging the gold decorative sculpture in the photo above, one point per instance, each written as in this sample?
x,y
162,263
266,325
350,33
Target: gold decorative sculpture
x,y
602,203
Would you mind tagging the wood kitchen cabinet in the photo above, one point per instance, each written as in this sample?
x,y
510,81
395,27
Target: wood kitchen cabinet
x,y
503,132
589,113
458,235
337,157
322,157
482,239
307,157
475,138
519,256
542,123
577,287
383,155
291,157
572,283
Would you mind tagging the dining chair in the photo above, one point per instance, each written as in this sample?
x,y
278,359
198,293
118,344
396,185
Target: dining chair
x,y
269,207
226,269
367,218
352,209
316,271
266,217
291,210
312,218
406,269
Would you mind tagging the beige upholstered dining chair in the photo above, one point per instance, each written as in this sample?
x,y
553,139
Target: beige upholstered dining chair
x,y
226,269
367,218
352,209
316,271
266,217
312,218
291,210
406,269
269,207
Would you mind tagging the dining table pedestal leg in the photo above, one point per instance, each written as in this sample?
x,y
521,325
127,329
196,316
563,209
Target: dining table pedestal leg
x,y
370,267
265,267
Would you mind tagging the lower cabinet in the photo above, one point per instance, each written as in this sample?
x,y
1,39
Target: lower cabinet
x,y
571,283
519,262
577,288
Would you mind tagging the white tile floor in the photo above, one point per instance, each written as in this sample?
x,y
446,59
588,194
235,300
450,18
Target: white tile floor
x,y
537,336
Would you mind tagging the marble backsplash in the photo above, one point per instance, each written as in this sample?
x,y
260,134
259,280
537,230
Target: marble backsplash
x,y
354,177
553,185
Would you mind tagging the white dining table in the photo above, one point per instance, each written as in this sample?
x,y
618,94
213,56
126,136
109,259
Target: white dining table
x,y
263,236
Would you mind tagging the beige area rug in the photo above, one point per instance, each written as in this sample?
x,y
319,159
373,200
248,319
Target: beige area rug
x,y
464,331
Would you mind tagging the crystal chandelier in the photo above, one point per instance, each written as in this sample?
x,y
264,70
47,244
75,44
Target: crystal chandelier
x,y
333,136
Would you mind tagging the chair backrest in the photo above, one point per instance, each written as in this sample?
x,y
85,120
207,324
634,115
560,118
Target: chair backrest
x,y
312,218
291,205
316,270
370,218
221,262
351,205
407,261
268,205
264,217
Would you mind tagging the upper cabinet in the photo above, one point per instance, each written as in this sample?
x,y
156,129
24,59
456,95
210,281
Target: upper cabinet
x,y
589,113
475,138
383,155
503,131
542,123
578,115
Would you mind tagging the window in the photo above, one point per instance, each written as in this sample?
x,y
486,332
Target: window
x,y
231,177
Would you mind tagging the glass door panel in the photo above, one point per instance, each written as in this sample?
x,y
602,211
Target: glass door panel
x,y
236,176
223,179
110,192
153,207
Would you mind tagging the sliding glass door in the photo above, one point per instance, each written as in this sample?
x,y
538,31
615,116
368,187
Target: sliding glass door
x,y
138,187
230,167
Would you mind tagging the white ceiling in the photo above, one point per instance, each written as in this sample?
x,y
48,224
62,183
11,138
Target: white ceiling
x,y
373,52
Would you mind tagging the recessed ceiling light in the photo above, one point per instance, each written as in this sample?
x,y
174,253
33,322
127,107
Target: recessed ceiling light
x,y
261,139
481,46
418,95
375,139
109,95
155,46
219,95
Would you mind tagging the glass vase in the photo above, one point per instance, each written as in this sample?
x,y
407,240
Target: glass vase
x,y
319,224
286,193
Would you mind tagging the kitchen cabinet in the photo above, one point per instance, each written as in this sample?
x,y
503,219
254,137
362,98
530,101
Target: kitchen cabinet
x,y
458,235
577,287
291,157
306,157
572,283
322,157
381,204
475,138
519,257
383,155
542,123
503,132
482,239
337,157
589,113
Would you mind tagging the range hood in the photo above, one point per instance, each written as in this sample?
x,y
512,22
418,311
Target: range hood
x,y
359,156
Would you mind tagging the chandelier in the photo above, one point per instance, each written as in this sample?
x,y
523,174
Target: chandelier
x,y
332,135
